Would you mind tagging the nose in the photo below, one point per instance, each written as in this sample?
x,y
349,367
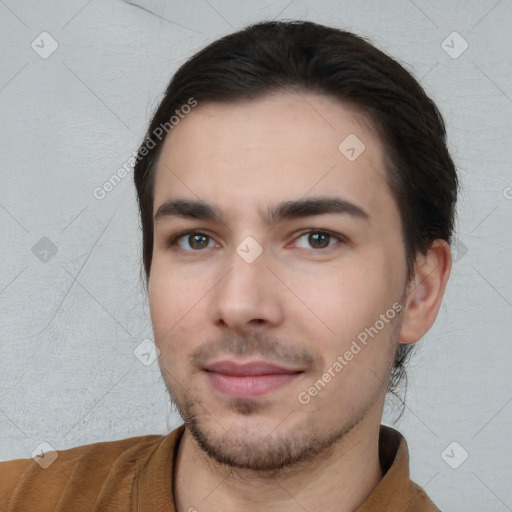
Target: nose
x,y
248,296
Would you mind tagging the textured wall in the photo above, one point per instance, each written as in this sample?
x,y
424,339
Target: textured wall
x,y
78,82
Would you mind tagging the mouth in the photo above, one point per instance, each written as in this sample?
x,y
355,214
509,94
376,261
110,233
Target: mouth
x,y
252,379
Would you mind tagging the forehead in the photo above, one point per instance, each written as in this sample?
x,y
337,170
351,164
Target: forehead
x,y
286,145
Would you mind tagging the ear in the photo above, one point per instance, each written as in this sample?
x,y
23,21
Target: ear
x,y
425,291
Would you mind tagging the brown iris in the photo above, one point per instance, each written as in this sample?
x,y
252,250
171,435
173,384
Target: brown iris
x,y
319,240
198,241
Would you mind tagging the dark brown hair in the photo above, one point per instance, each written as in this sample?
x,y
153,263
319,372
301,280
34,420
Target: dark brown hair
x,y
299,55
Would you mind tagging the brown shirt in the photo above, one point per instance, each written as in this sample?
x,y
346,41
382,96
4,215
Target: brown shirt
x,y
136,474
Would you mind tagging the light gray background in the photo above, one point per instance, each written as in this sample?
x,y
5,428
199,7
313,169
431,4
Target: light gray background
x,y
70,325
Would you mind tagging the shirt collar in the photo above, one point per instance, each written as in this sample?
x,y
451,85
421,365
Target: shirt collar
x,y
395,491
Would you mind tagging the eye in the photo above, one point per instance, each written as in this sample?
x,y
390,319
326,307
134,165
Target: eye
x,y
195,240
318,239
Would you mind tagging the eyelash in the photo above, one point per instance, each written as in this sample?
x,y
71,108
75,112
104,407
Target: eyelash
x,y
175,239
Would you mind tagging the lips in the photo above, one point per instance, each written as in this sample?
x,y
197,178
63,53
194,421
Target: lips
x,y
253,368
247,380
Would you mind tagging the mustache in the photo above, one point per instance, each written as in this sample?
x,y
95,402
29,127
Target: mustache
x,y
258,343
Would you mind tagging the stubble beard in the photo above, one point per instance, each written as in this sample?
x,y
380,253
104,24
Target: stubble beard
x,y
267,452
253,449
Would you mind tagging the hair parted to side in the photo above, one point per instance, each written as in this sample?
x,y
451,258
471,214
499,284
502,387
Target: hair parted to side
x,y
299,55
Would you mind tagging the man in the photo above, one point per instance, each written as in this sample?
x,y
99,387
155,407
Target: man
x,y
297,202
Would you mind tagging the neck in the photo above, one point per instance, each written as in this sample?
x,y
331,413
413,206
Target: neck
x,y
339,479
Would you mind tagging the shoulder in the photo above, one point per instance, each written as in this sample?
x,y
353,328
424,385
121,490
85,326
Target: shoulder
x,y
43,480
420,501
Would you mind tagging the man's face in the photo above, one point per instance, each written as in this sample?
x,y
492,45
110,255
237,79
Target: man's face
x,y
322,288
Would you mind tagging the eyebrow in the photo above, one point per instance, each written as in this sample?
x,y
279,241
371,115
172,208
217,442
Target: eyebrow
x,y
286,210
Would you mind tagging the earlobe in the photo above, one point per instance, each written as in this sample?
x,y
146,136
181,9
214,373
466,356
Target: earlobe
x,y
425,292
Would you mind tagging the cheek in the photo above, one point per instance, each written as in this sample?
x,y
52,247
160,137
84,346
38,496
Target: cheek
x,y
178,301
172,325
341,294
345,301
170,298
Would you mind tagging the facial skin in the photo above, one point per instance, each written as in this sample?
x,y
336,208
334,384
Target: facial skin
x,y
300,304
